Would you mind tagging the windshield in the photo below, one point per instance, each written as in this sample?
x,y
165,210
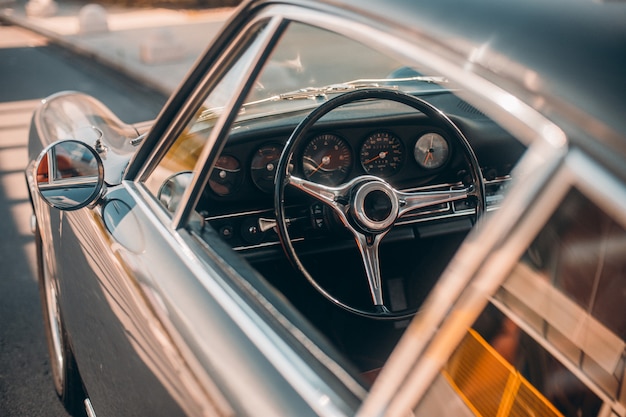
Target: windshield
x,y
309,65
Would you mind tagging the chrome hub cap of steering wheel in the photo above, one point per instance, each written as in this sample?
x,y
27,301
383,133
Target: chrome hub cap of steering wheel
x,y
375,207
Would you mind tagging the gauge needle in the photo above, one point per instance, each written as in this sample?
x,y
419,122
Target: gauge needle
x,y
325,161
429,155
380,155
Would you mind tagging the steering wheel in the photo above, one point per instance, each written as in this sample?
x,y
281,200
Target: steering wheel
x,y
367,205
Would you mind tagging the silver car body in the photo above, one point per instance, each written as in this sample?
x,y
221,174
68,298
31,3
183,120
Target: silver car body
x,y
163,320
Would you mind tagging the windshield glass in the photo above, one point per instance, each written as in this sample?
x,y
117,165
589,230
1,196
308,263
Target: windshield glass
x,y
312,57
310,65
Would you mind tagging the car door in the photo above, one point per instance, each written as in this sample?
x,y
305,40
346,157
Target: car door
x,y
120,263
163,323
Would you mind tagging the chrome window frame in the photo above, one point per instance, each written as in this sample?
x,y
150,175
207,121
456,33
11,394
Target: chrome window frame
x,y
208,82
217,138
310,385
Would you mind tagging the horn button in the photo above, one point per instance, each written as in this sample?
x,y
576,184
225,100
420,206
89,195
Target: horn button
x,y
375,207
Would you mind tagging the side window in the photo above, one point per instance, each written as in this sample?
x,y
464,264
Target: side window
x,y
173,173
551,342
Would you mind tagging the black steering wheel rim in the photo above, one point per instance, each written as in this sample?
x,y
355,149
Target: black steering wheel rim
x,y
283,178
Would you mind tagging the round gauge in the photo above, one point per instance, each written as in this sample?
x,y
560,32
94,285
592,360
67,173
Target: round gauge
x,y
263,166
226,175
382,154
327,159
431,150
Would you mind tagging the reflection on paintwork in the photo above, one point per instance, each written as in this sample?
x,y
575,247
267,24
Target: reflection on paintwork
x,y
128,299
123,225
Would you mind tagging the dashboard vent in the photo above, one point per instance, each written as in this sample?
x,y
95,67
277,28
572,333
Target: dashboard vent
x,y
468,108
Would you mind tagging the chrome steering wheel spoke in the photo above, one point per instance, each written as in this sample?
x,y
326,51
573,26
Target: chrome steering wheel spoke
x,y
410,201
368,247
332,196
337,198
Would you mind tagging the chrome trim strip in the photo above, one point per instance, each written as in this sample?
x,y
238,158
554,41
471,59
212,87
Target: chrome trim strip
x,y
89,408
241,214
444,186
263,245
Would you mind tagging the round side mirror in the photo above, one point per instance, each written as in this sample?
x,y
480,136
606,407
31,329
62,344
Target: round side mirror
x,y
69,175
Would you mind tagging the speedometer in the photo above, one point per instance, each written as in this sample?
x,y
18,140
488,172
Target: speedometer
x,y
382,154
327,159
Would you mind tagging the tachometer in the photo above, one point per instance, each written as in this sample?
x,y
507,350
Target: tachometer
x,y
382,154
327,159
431,150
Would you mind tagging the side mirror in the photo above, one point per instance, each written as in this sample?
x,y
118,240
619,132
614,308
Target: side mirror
x,y
69,175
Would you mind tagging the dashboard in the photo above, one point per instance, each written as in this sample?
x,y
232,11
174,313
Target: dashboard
x,y
406,149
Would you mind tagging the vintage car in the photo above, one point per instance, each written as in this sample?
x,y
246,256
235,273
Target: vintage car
x,y
350,207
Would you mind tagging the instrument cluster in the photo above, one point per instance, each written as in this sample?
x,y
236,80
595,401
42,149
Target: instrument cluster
x,y
332,158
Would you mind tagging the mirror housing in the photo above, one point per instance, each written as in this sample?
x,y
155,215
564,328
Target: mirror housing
x,y
69,175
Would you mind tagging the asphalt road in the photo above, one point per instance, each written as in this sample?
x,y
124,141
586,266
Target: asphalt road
x,y
29,71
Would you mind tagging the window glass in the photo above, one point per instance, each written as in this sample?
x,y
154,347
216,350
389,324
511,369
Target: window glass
x,y
551,343
166,181
307,66
570,289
